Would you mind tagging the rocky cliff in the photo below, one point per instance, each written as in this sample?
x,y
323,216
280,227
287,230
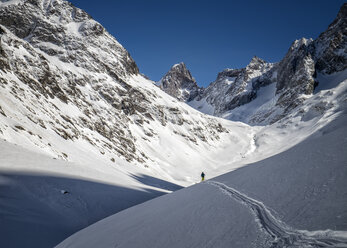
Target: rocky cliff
x,y
179,83
235,87
288,81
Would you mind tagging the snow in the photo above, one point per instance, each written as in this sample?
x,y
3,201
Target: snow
x,y
265,100
202,106
179,160
174,160
34,203
326,82
230,80
303,41
294,199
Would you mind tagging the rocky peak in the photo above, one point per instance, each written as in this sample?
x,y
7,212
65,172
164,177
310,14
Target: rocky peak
x,y
181,72
228,73
236,87
295,75
297,44
255,63
297,67
179,83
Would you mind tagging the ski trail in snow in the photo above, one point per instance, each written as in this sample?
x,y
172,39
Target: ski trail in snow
x,y
282,234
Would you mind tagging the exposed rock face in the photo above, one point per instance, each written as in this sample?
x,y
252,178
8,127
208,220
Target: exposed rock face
x,y
294,76
297,67
179,83
331,45
66,76
306,58
235,87
68,33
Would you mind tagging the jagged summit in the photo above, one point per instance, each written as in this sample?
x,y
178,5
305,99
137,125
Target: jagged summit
x,y
300,42
295,75
179,83
254,64
234,87
256,60
228,73
182,65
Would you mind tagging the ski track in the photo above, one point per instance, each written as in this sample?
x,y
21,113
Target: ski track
x,y
282,234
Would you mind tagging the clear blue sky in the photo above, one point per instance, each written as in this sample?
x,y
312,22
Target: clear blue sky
x,y
208,36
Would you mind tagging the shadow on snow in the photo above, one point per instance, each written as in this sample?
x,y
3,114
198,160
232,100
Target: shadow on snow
x,y
42,210
156,182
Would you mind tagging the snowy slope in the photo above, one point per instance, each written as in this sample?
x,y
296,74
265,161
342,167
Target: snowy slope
x,y
44,200
62,97
294,199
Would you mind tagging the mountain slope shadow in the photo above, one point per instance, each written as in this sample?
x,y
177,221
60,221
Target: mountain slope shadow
x,y
42,210
156,182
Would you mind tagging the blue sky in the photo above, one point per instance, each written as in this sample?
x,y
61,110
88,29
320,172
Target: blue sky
x,y
208,36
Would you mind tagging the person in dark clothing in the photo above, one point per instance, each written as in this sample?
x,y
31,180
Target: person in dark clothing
x,y
202,176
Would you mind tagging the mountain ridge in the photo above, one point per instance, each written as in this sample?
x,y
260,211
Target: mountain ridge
x,y
295,75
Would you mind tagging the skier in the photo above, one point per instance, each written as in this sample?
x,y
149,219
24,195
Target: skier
x,y
202,176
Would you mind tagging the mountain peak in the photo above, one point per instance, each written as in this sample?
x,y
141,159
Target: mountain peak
x,y
179,83
181,68
181,65
300,42
228,73
257,60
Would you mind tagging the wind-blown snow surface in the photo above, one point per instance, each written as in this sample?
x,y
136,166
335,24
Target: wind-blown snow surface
x,y
294,199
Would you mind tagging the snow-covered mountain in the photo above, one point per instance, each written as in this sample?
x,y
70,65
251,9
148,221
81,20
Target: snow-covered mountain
x,y
85,135
293,199
70,91
235,87
66,81
179,83
263,93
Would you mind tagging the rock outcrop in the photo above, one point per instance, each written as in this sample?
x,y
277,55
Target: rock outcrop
x,y
331,46
179,83
235,87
